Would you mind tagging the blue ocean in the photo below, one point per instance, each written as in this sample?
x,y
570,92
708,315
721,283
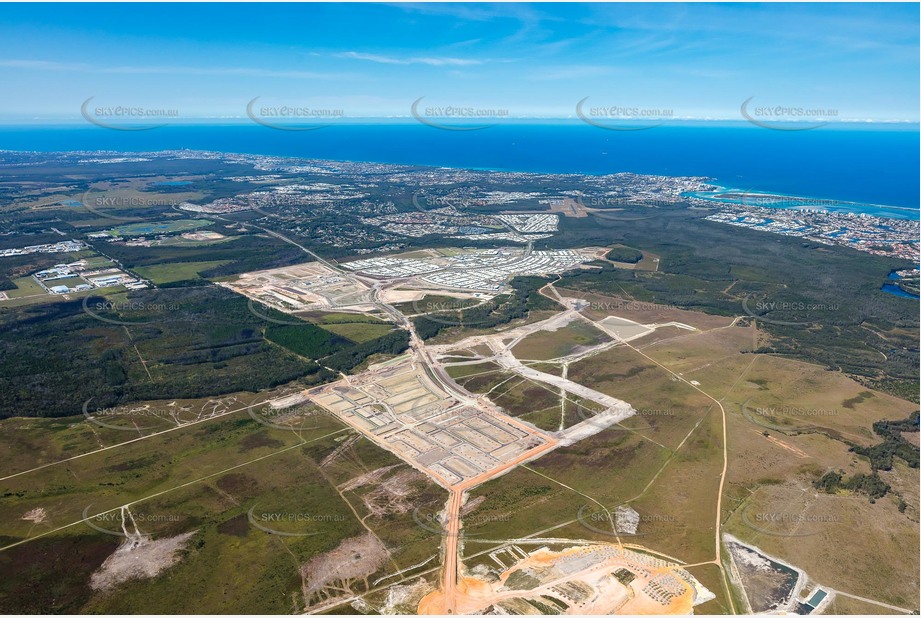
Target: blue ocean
x,y
867,164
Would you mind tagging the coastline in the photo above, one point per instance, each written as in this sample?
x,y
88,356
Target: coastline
x,y
721,193
785,201
873,165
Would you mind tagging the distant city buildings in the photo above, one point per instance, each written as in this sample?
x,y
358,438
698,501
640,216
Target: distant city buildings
x,y
485,270
81,276
66,246
876,235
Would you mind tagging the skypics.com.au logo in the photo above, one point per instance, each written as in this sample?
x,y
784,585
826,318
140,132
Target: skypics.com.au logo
x,y
809,313
126,117
292,523
292,117
102,204
786,117
622,117
455,117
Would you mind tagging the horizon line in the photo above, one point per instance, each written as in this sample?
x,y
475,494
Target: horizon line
x,y
343,120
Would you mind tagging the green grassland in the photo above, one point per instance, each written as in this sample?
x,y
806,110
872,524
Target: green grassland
x,y
709,575
45,298
30,442
26,286
180,271
611,467
788,423
98,262
713,268
517,504
532,401
484,381
546,345
434,303
846,606
777,393
322,318
135,471
667,409
248,252
149,228
206,479
678,512
355,327
462,371
528,400
547,418
765,479
359,332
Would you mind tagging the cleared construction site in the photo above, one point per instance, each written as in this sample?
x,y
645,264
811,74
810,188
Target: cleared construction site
x,y
305,287
400,407
583,579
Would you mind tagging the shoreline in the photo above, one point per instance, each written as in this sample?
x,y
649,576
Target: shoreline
x,y
837,205
781,201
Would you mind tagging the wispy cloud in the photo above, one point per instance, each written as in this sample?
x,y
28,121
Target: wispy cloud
x,y
47,65
429,60
573,72
476,12
43,65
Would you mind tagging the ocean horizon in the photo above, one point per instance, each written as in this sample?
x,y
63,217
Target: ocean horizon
x,y
871,166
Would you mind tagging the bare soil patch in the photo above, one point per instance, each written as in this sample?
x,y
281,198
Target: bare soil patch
x,y
138,558
335,571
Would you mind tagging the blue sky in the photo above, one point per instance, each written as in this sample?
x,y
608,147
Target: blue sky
x,y
694,60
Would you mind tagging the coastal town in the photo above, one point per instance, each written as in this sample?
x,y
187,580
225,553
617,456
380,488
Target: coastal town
x,y
449,203
864,232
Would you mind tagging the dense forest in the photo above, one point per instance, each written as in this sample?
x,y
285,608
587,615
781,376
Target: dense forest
x,y
194,342
171,342
305,339
500,310
395,342
624,254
